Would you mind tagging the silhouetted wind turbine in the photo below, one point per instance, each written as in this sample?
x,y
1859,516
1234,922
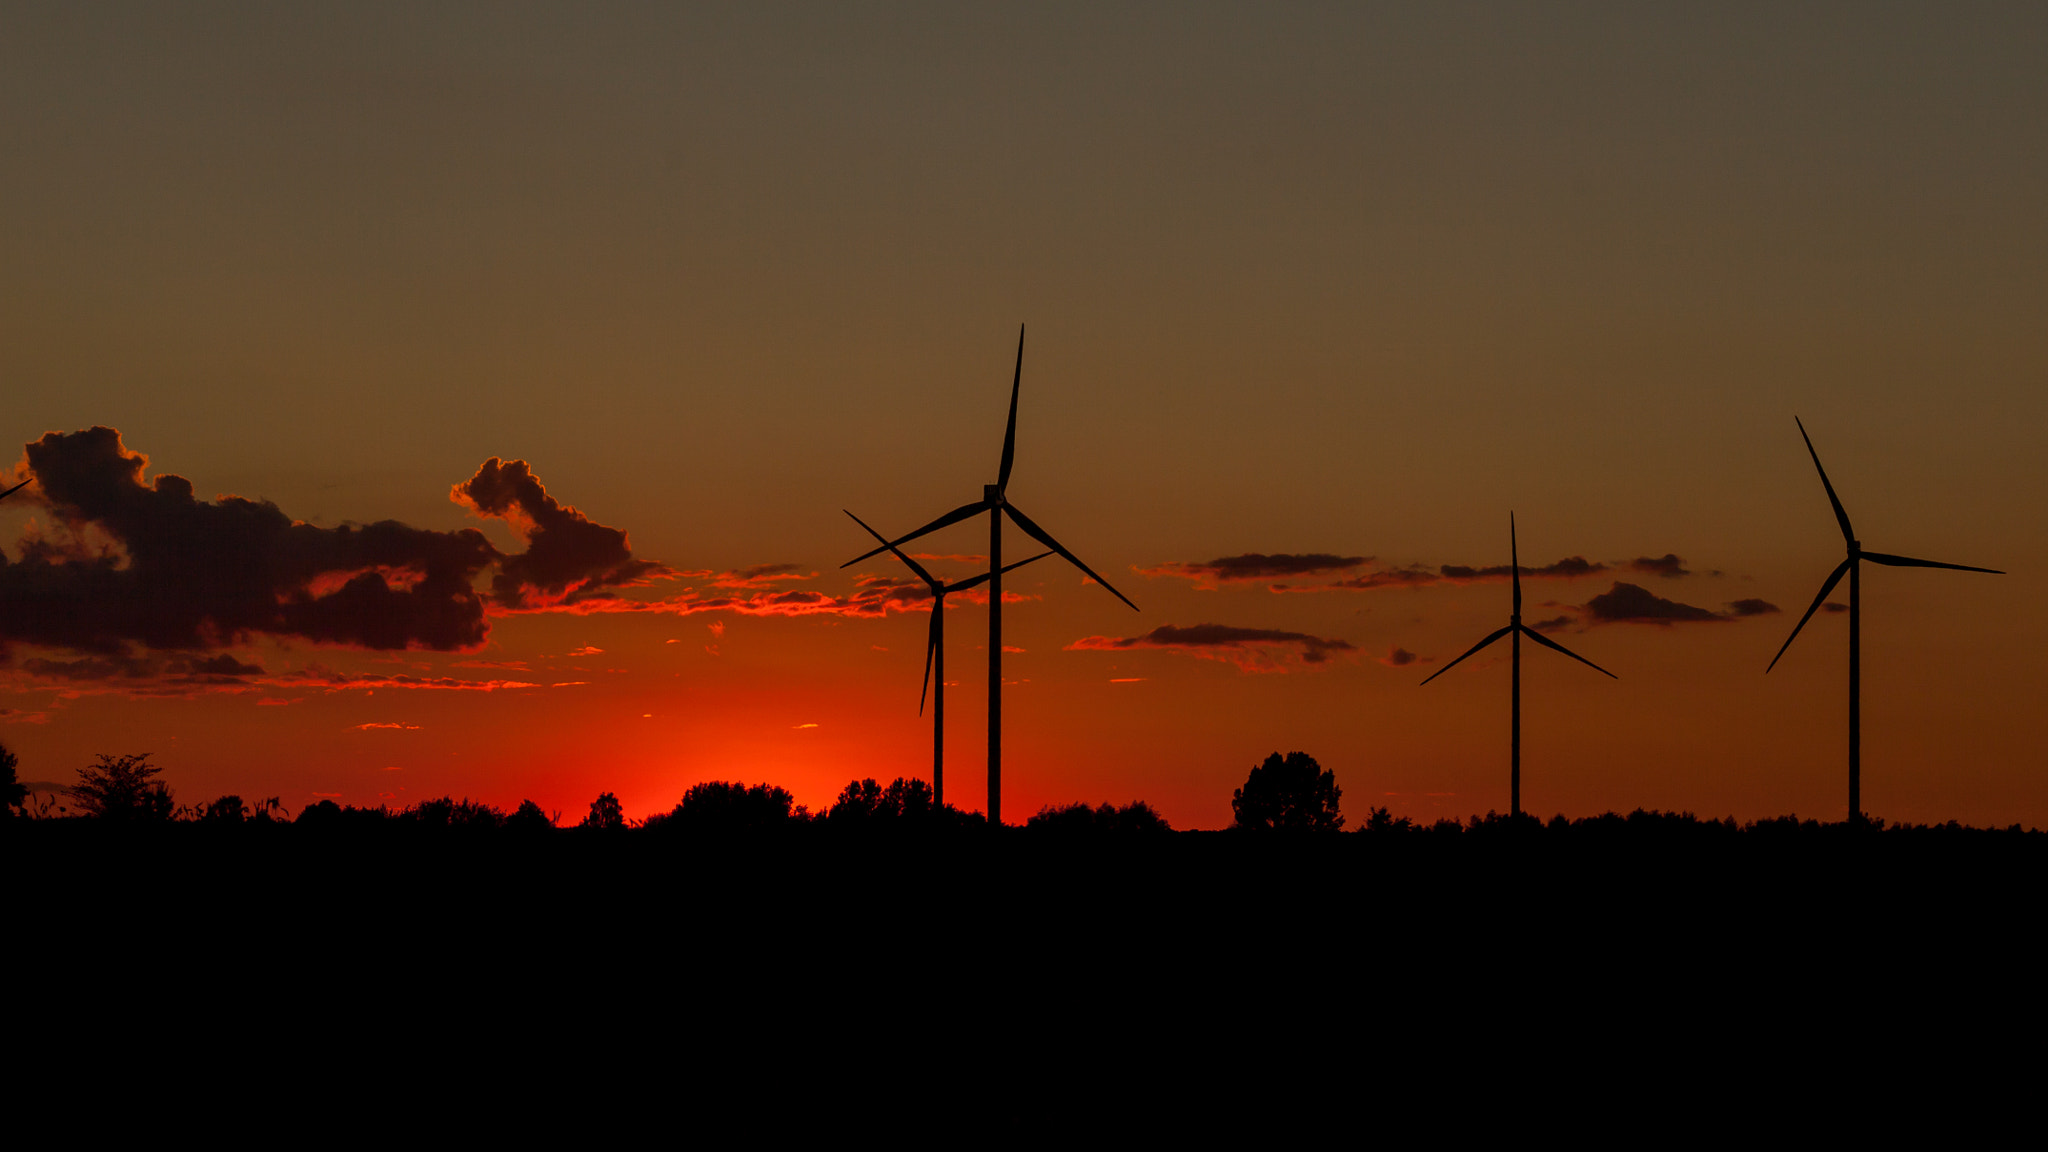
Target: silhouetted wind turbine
x,y
1851,566
994,502
1518,630
935,651
16,488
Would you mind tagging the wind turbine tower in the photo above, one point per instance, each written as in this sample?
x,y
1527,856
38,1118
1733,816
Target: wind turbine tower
x,y
995,501
1851,565
1516,629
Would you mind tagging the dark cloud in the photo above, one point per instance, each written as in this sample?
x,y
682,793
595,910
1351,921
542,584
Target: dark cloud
x,y
1554,623
1248,648
132,565
1361,573
1259,566
1398,658
1751,608
568,557
1631,604
1831,606
1670,566
1569,568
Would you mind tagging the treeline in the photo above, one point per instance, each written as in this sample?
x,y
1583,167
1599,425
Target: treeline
x,y
1289,796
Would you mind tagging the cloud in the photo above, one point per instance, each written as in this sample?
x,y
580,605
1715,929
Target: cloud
x,y
568,557
1257,566
757,577
1631,604
131,564
1670,566
1832,606
1363,573
1251,649
379,724
1569,568
315,676
1398,658
587,650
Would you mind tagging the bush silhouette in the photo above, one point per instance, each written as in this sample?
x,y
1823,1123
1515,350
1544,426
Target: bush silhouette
x,y
123,788
1290,794
1108,819
529,818
448,812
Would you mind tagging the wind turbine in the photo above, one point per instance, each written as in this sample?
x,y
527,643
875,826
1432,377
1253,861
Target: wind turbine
x,y
1850,565
16,488
994,502
1518,630
935,652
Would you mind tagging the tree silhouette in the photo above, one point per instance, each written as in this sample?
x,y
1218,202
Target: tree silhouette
x,y
123,788
226,810
724,806
1293,794
605,812
1081,820
529,818
864,802
13,794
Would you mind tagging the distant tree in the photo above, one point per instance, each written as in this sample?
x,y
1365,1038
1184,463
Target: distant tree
x,y
1107,819
13,793
226,810
325,814
605,812
1381,820
123,788
448,812
271,810
864,803
724,806
1290,794
529,818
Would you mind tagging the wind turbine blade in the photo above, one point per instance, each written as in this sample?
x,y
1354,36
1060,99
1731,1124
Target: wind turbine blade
x,y
1010,433
1468,652
931,649
1841,517
982,578
1547,642
950,518
914,565
1045,538
1909,562
1834,578
16,488
1515,564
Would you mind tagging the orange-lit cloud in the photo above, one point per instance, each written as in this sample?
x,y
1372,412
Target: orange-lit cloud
x,y
129,567
1251,649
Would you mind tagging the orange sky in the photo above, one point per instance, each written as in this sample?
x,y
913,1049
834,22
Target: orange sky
x,y
1322,282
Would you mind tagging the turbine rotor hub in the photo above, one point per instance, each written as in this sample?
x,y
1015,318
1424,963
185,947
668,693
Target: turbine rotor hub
x,y
993,493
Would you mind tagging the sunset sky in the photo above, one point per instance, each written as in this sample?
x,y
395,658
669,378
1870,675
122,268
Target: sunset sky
x,y
1316,296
